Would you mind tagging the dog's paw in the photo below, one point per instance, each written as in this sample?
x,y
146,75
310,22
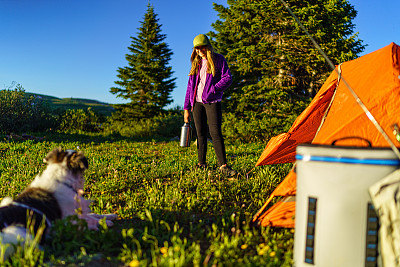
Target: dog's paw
x,y
93,219
109,223
109,217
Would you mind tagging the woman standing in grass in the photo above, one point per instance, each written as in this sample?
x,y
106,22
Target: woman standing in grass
x,y
209,77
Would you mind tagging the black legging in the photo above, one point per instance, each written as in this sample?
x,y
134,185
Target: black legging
x,y
213,114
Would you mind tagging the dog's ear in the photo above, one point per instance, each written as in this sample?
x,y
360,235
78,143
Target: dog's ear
x,y
75,161
55,156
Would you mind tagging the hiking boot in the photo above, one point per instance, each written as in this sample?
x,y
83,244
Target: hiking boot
x,y
227,171
200,166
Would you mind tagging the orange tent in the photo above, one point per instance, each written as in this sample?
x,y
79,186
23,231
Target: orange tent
x,y
334,114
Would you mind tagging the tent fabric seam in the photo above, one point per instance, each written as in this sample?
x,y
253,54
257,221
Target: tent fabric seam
x,y
330,104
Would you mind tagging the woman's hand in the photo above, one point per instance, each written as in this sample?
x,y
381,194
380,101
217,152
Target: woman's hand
x,y
186,116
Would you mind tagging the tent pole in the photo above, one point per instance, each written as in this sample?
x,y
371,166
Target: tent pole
x,y
257,215
358,100
330,103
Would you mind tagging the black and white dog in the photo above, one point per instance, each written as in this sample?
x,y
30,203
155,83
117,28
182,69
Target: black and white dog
x,y
54,194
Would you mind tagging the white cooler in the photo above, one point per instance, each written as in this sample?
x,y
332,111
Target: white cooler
x,y
335,223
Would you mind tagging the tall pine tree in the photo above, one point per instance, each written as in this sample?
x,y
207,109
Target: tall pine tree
x,y
272,61
146,81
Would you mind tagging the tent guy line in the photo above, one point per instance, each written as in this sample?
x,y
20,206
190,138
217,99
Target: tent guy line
x,y
358,100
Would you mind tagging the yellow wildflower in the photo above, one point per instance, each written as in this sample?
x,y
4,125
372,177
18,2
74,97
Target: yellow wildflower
x,y
164,250
262,251
244,246
134,263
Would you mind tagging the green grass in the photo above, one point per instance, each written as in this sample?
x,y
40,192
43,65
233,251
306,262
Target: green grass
x,y
169,213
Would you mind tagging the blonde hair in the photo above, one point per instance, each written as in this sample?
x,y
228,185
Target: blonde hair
x,y
196,59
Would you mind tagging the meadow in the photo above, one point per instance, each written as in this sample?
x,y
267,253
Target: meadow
x,y
170,213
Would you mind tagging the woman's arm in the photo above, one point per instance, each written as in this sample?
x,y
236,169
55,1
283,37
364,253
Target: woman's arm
x,y
226,77
186,116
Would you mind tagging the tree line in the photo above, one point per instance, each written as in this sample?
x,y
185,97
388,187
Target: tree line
x,y
275,68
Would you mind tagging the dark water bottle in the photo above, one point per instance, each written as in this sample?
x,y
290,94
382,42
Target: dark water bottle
x,y
186,135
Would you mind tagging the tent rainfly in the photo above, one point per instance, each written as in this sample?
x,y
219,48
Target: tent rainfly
x,y
335,116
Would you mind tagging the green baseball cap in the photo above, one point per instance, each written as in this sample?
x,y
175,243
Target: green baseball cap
x,y
200,39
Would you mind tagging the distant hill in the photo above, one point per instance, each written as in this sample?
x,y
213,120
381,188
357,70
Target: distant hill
x,y
76,103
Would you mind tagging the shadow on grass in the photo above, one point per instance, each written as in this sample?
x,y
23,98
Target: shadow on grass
x,y
85,138
164,224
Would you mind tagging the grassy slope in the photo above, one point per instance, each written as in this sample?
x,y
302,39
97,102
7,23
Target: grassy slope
x,y
76,103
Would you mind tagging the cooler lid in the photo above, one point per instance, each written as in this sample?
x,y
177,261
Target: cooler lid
x,y
346,154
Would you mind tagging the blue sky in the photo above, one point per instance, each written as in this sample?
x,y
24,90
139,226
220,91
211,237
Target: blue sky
x,y
73,48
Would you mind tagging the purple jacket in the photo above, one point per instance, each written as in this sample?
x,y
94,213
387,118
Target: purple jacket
x,y
214,87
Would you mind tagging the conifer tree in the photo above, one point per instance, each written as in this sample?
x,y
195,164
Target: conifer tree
x,y
146,81
272,61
